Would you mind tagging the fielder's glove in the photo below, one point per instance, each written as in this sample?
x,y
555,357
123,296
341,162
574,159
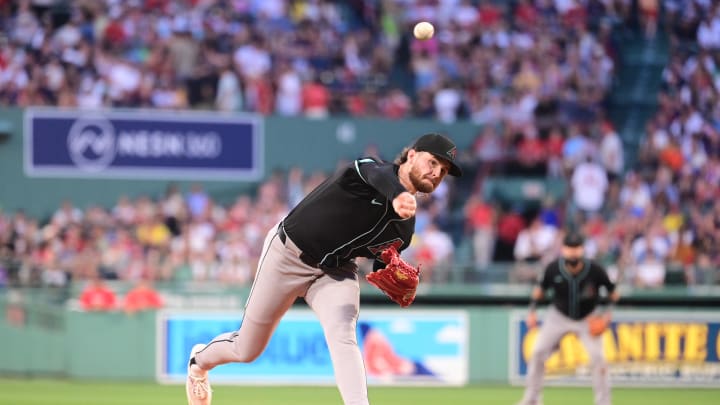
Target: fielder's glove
x,y
398,280
597,324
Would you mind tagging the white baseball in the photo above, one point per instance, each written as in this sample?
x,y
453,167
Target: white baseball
x,y
423,30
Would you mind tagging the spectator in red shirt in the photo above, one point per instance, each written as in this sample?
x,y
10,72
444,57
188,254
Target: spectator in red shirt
x,y
356,105
315,99
490,14
574,16
142,297
554,147
97,296
672,156
395,105
153,5
480,217
555,142
532,153
114,33
260,95
525,14
510,223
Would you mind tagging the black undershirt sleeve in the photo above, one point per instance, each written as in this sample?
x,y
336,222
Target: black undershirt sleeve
x,y
378,264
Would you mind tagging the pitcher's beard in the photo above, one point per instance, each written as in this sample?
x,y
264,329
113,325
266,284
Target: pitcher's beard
x,y
420,184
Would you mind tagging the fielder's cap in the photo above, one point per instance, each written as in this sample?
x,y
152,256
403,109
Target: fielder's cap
x,y
573,239
441,147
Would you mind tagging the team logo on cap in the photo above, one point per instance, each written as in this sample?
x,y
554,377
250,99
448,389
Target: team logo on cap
x,y
452,153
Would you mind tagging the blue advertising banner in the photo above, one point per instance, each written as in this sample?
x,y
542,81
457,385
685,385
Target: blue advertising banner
x,y
142,144
641,348
398,347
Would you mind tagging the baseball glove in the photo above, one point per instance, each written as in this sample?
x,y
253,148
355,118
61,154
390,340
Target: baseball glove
x,y
398,280
597,324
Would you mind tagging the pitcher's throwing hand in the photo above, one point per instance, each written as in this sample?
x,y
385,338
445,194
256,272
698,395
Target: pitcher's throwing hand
x,y
405,205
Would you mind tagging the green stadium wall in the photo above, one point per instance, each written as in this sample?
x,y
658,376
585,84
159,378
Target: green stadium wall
x,y
54,342
115,346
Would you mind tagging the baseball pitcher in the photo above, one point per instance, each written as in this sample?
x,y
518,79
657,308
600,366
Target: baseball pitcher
x,y
366,209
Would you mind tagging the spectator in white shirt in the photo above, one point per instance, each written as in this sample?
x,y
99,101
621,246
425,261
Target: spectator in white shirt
x,y
229,94
611,152
439,246
447,102
253,60
589,184
26,24
708,33
466,14
534,246
289,92
535,242
635,195
67,214
649,253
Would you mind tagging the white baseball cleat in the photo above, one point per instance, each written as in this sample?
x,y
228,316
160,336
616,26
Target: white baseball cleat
x,y
197,387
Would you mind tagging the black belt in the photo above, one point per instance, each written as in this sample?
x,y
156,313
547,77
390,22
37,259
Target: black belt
x,y
305,258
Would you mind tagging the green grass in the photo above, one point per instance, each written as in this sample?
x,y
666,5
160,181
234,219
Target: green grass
x,y
58,392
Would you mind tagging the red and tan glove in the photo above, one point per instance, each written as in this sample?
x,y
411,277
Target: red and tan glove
x,y
597,324
398,280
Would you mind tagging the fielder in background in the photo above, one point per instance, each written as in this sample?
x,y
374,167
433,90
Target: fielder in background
x,y
576,282
366,209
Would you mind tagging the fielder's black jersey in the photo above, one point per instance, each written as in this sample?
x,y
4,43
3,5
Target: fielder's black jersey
x,y
576,295
350,215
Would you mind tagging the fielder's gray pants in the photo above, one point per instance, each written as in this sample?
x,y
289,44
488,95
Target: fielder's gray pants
x,y
554,327
282,277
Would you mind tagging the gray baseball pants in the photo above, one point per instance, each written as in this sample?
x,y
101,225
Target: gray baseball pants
x,y
280,279
554,327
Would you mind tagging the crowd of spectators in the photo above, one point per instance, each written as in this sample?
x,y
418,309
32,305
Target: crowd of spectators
x,y
489,61
174,238
534,76
654,223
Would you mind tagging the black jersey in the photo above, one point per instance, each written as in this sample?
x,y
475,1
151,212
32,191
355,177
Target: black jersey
x,y
576,295
350,215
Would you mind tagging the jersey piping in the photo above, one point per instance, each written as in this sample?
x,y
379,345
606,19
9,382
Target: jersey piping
x,y
359,236
357,167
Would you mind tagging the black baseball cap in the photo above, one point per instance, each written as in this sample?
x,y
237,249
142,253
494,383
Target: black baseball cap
x,y
441,147
573,239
